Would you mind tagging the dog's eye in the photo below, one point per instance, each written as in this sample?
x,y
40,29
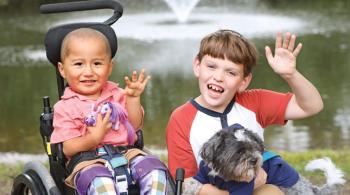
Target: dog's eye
x,y
253,161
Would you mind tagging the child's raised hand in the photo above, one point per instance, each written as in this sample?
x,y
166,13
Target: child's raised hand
x,y
135,86
284,61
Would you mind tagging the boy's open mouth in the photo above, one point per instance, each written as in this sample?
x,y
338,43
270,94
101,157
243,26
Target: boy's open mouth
x,y
216,88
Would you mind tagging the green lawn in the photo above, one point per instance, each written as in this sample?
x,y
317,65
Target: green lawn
x,y
298,160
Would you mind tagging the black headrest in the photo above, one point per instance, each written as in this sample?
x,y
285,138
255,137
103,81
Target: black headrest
x,y
55,36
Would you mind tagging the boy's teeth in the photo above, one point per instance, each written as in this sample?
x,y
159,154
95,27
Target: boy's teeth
x,y
215,88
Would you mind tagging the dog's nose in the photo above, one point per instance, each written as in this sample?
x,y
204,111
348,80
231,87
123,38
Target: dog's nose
x,y
253,161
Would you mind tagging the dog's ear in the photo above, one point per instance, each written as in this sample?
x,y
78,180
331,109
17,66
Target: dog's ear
x,y
210,148
254,138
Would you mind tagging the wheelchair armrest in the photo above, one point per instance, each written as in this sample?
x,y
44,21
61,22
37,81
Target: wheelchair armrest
x,y
139,143
58,155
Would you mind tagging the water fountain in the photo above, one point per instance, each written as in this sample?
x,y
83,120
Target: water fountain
x,y
150,26
182,8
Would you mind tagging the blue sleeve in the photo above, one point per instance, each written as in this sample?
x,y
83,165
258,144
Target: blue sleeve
x,y
280,173
202,174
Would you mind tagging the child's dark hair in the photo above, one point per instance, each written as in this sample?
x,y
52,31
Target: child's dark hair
x,y
230,45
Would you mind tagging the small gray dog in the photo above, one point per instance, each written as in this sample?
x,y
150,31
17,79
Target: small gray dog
x,y
233,156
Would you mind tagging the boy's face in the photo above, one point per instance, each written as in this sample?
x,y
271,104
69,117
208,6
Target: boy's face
x,y
87,65
219,80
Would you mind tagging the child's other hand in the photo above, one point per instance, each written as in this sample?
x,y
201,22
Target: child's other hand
x,y
284,61
135,86
102,126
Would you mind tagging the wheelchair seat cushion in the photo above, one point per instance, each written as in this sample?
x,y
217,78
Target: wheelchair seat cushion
x,y
55,36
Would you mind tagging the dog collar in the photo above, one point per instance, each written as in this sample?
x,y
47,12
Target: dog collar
x,y
267,155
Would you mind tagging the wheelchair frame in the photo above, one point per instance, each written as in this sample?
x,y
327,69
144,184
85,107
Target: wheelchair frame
x,y
35,178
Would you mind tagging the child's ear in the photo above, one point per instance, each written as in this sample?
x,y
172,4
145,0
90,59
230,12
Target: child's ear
x,y
60,69
196,64
245,83
111,65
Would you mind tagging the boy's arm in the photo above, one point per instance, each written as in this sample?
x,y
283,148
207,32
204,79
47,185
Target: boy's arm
x,y
180,154
208,189
133,91
91,139
306,100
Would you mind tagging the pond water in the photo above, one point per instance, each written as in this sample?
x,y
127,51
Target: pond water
x,y
150,37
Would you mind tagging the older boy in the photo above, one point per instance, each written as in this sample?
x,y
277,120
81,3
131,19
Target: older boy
x,y
223,68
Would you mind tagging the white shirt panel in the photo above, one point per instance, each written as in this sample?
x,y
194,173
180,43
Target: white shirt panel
x,y
203,128
246,118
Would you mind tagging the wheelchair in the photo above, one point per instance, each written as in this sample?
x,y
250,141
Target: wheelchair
x,y
35,178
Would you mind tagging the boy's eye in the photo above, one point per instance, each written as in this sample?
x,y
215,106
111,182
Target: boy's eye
x,y
210,66
232,73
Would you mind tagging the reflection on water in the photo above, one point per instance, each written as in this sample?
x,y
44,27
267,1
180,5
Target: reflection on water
x,y
342,120
166,49
290,137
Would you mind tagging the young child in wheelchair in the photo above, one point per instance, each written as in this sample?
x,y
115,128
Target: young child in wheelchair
x,y
96,121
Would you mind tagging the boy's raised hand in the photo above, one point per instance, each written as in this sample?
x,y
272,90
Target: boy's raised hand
x,y
135,86
284,61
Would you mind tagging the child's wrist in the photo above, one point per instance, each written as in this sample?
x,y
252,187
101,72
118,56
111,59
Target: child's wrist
x,y
95,139
132,98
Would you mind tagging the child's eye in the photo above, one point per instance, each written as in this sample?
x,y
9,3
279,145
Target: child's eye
x,y
78,64
97,63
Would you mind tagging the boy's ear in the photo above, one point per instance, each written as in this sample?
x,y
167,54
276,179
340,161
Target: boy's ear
x,y
60,69
245,83
196,64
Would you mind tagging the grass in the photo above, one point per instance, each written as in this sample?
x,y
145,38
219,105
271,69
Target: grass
x,y
7,175
298,160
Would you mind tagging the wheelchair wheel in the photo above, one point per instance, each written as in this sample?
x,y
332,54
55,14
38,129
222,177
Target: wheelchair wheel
x,y
28,183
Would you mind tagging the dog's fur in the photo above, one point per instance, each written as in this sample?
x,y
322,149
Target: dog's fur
x,y
236,154
233,154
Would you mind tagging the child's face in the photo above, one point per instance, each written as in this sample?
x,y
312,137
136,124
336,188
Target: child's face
x,y
219,80
87,65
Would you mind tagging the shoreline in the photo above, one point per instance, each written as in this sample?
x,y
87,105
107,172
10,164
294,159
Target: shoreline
x,y
15,158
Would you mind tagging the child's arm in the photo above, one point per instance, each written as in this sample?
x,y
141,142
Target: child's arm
x,y
306,100
91,139
133,91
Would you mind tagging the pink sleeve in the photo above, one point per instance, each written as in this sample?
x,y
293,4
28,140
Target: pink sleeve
x,y
67,123
180,154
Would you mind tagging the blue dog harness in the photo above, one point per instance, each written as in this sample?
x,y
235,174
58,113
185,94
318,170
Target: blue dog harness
x,y
267,155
